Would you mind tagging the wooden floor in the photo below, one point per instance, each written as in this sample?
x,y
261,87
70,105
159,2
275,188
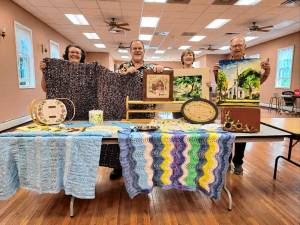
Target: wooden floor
x,y
257,198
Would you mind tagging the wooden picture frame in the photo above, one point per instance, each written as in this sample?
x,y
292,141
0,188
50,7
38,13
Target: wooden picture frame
x,y
202,83
158,86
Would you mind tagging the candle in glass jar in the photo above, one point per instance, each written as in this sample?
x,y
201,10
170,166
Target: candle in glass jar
x,y
96,117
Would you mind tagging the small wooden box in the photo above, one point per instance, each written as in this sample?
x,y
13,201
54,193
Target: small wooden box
x,y
240,119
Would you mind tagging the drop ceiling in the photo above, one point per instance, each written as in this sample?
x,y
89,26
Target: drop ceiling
x,y
174,18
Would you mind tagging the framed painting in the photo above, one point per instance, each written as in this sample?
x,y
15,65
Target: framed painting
x,y
238,82
191,83
158,86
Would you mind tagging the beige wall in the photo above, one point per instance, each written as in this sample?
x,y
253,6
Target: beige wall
x,y
269,50
14,101
103,58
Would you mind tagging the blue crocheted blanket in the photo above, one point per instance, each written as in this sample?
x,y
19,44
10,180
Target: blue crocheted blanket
x,y
47,163
182,160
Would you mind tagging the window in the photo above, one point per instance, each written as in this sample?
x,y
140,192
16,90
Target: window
x,y
25,62
54,49
284,67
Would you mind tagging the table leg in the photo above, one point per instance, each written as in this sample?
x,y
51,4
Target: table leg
x,y
291,145
228,194
72,206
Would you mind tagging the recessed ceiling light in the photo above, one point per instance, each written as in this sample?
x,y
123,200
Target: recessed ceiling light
x,y
197,52
149,21
123,51
183,47
124,57
155,1
100,45
217,23
247,2
283,24
224,48
91,35
169,48
145,37
160,51
197,38
250,38
77,19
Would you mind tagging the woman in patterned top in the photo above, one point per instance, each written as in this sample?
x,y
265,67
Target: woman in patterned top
x,y
73,53
187,58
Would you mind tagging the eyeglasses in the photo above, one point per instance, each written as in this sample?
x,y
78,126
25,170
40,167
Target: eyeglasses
x,y
74,52
137,49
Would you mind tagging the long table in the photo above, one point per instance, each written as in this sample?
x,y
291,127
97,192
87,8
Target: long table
x,y
291,126
266,134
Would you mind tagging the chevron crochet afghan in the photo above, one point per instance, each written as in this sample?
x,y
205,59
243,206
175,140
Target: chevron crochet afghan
x,y
192,161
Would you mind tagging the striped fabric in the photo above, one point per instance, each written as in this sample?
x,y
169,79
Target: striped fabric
x,y
182,160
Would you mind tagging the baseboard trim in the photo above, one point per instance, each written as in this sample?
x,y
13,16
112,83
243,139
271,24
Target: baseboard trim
x,y
283,107
15,122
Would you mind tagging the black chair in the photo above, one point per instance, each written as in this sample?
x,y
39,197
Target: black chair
x,y
289,99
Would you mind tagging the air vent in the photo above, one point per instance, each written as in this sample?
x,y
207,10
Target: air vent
x,y
188,34
290,3
224,2
231,33
179,1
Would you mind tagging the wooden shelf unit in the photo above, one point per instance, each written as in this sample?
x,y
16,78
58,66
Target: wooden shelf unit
x,y
138,102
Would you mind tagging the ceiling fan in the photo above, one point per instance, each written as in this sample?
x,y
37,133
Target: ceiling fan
x,y
255,27
122,46
209,48
116,27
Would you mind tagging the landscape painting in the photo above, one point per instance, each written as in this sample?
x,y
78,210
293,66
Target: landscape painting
x,y
190,83
238,82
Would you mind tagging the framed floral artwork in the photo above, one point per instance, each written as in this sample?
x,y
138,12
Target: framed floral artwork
x,y
158,86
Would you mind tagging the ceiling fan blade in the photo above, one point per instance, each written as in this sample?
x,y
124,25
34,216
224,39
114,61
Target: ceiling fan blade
x,y
122,24
260,30
265,27
124,28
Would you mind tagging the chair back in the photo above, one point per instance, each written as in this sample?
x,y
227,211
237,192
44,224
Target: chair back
x,y
288,97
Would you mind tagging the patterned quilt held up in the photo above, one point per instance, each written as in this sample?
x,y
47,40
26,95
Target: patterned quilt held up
x,y
91,86
48,162
181,160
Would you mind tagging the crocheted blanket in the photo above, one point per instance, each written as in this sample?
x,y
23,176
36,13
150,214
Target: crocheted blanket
x,y
47,163
181,160
91,86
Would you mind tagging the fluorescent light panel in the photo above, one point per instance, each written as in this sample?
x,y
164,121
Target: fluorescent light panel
x,y
124,57
197,38
224,48
160,51
149,21
183,47
197,52
145,37
247,2
91,35
100,45
155,57
250,38
155,1
77,19
123,51
217,23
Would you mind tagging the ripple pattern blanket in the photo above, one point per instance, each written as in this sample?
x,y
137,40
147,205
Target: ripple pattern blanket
x,y
181,160
48,163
